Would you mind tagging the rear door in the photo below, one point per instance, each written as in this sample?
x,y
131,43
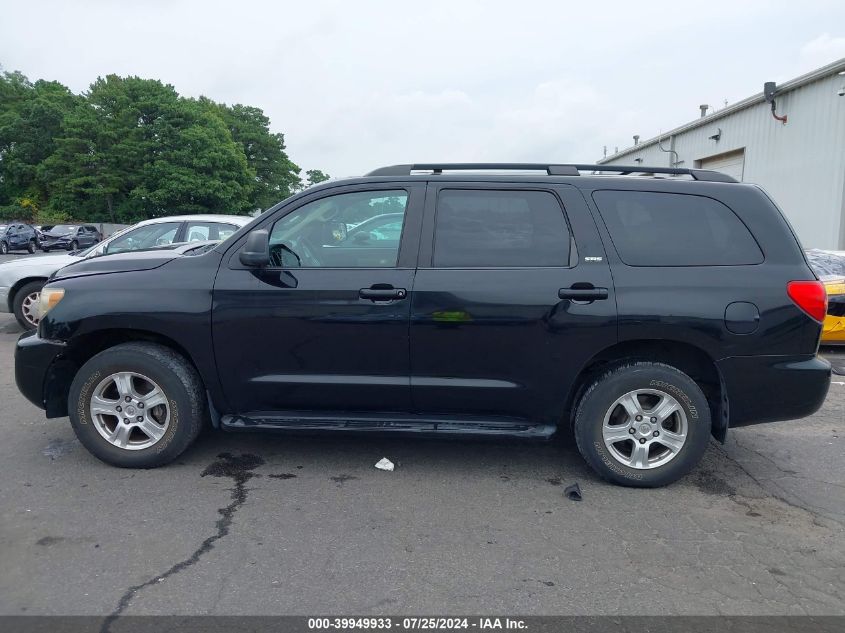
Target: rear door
x,y
512,297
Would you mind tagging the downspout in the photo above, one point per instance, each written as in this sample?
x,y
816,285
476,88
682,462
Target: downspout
x,y
670,151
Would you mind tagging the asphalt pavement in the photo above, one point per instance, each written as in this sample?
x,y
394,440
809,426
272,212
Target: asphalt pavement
x,y
273,524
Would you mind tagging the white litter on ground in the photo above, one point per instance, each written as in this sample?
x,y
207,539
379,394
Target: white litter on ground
x,y
384,464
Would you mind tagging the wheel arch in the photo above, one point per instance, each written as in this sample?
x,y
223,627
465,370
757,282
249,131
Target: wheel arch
x,y
85,346
691,360
20,283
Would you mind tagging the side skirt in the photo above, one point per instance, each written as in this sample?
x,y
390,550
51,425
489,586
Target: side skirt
x,y
386,423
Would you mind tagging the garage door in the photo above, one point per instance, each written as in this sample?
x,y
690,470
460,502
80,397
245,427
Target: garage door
x,y
730,163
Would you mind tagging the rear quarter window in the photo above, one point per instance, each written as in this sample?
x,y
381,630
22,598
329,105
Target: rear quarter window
x,y
670,229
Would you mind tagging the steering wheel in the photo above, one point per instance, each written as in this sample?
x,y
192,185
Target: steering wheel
x,y
307,250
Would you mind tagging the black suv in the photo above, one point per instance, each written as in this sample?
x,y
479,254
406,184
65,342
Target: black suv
x,y
646,311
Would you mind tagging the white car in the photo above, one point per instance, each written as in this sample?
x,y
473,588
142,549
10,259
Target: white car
x,y
21,280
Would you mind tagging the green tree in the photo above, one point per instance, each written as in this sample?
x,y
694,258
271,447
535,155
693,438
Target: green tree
x,y
31,116
197,167
104,148
276,176
132,148
315,176
137,150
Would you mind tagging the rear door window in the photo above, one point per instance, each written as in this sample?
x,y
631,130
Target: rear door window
x,y
669,229
200,231
490,228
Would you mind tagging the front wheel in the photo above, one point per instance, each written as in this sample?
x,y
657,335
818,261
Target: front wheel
x,y
30,247
643,424
74,245
4,248
25,305
136,405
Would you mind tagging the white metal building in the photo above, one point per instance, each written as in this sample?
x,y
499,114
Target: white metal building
x,y
800,163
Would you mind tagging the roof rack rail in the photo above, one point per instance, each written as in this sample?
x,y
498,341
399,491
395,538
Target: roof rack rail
x,y
550,169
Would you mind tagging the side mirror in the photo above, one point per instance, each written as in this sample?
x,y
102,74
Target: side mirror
x,y
256,252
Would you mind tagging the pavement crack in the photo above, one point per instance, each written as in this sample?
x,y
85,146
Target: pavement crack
x,y
237,468
775,491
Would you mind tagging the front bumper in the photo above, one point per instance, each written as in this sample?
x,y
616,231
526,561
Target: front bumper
x,y
833,332
37,362
771,388
54,243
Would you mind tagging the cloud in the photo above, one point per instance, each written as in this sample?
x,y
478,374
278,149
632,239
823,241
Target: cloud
x,y
823,49
355,85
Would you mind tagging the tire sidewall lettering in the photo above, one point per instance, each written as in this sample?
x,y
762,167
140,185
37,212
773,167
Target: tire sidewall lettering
x,y
83,410
678,392
613,465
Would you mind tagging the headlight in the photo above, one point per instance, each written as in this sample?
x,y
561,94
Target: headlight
x,y
49,298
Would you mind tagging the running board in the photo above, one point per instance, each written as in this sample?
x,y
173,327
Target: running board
x,y
393,423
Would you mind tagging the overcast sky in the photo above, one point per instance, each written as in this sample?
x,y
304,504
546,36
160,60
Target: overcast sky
x,y
355,85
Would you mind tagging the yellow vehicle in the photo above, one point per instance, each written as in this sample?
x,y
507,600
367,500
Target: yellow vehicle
x,y
830,268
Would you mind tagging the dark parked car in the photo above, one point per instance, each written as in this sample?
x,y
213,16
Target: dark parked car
x,y
16,236
70,237
644,312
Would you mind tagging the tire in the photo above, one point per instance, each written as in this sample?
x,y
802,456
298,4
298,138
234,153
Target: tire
x,y
4,247
74,245
25,301
183,398
599,419
30,247
45,249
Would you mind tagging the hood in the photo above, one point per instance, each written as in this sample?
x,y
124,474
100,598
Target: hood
x,y
117,263
40,261
127,262
52,233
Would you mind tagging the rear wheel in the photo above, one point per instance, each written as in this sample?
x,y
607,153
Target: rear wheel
x,y
643,424
25,305
136,405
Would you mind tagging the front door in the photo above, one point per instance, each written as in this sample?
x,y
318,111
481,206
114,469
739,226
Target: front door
x,y
512,298
325,326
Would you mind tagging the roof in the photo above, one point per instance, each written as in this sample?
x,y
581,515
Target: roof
x,y
240,220
831,69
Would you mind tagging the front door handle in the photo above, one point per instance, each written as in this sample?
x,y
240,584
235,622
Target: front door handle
x,y
583,293
382,294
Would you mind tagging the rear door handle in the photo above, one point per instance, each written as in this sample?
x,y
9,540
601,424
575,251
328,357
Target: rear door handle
x,y
583,293
382,294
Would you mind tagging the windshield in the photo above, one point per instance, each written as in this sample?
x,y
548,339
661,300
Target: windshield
x,y
63,228
826,264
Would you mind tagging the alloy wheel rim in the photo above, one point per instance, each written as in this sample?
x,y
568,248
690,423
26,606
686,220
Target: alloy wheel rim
x,y
645,429
29,308
130,410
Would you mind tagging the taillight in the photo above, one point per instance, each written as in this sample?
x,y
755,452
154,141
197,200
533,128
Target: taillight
x,y
810,296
